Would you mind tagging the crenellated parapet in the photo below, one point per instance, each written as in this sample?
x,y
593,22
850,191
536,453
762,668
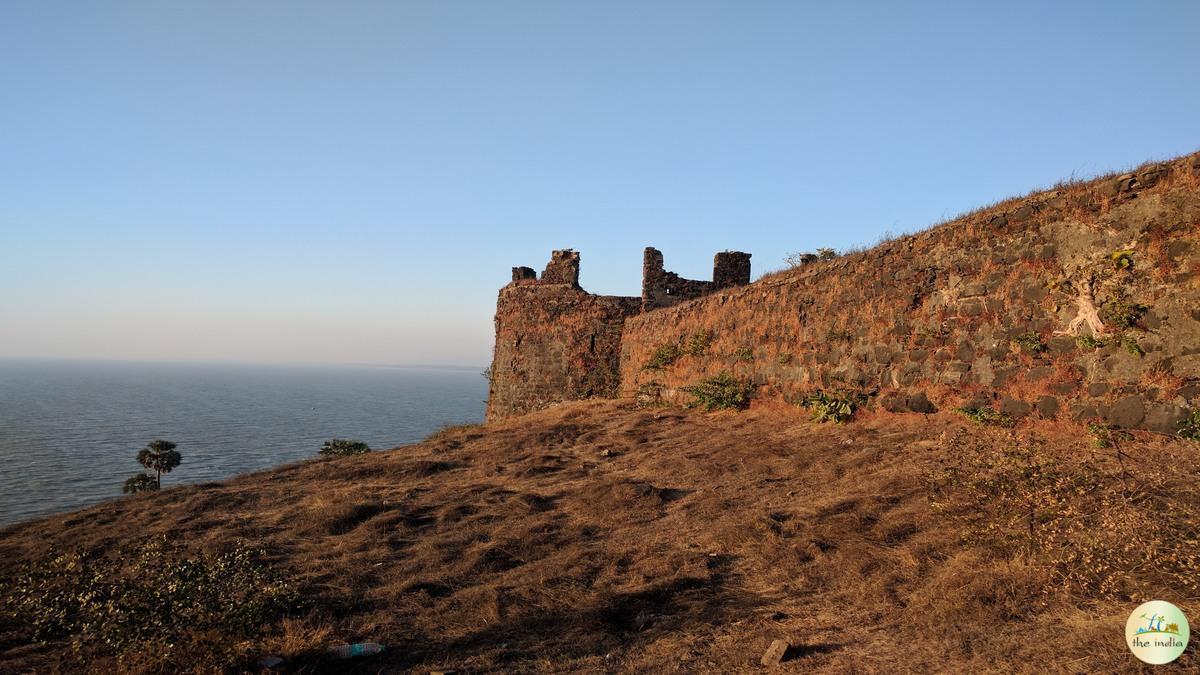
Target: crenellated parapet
x,y
557,342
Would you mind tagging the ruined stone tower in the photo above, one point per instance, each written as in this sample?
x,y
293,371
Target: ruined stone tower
x,y
557,342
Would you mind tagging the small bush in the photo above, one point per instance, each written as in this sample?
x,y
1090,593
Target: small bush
x,y
663,356
1189,427
784,359
1030,342
649,394
1122,260
826,253
698,343
837,407
744,354
1090,342
149,600
340,448
140,483
721,391
1122,313
1131,345
1104,436
986,416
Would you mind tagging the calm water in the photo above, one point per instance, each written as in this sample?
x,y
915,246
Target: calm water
x,y
69,430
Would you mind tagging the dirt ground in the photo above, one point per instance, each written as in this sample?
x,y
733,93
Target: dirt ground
x,y
599,537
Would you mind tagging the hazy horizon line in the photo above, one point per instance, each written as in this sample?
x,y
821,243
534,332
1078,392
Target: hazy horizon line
x,y
241,362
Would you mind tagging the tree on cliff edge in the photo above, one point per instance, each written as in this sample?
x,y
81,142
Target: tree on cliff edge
x,y
160,457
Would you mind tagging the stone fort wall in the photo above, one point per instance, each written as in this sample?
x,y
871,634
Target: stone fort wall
x,y
1080,302
556,342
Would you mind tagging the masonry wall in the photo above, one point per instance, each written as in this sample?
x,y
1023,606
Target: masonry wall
x,y
984,310
554,341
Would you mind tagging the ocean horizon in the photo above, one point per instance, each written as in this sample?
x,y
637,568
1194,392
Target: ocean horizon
x,y
70,429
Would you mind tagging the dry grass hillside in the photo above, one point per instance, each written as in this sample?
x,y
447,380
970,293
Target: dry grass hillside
x,y
597,536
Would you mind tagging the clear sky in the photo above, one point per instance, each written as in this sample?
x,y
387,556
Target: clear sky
x,y
351,181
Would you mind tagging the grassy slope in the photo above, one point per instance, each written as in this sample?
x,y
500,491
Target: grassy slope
x,y
598,536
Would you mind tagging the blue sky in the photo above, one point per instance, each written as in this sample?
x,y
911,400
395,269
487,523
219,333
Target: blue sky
x,y
351,182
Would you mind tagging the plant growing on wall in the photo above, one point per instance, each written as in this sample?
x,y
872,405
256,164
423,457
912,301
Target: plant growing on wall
x,y
986,416
663,356
1189,427
721,391
698,343
837,407
1030,342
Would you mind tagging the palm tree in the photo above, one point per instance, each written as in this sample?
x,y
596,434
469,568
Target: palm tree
x,y
160,457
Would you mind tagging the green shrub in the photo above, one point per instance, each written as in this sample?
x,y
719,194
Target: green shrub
x,y
1121,312
721,391
784,359
698,343
1122,260
340,448
836,407
744,354
1131,345
1030,342
1189,427
986,416
826,253
1104,436
663,356
1090,342
149,597
649,394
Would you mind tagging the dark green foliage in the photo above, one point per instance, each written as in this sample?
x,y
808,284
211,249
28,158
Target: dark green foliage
x,y
160,457
1090,342
140,483
1029,342
339,447
986,416
1121,312
721,391
826,253
663,356
698,343
836,407
148,596
744,354
1189,427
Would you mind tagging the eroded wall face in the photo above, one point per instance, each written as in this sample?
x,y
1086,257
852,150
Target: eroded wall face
x,y
992,309
554,342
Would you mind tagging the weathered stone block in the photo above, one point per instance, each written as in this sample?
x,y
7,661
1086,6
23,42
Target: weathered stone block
x,y
1014,408
1128,412
1048,406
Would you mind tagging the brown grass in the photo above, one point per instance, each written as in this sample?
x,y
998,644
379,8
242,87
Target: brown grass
x,y
596,536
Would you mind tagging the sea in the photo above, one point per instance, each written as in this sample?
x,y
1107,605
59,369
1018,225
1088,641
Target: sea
x,y
70,430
